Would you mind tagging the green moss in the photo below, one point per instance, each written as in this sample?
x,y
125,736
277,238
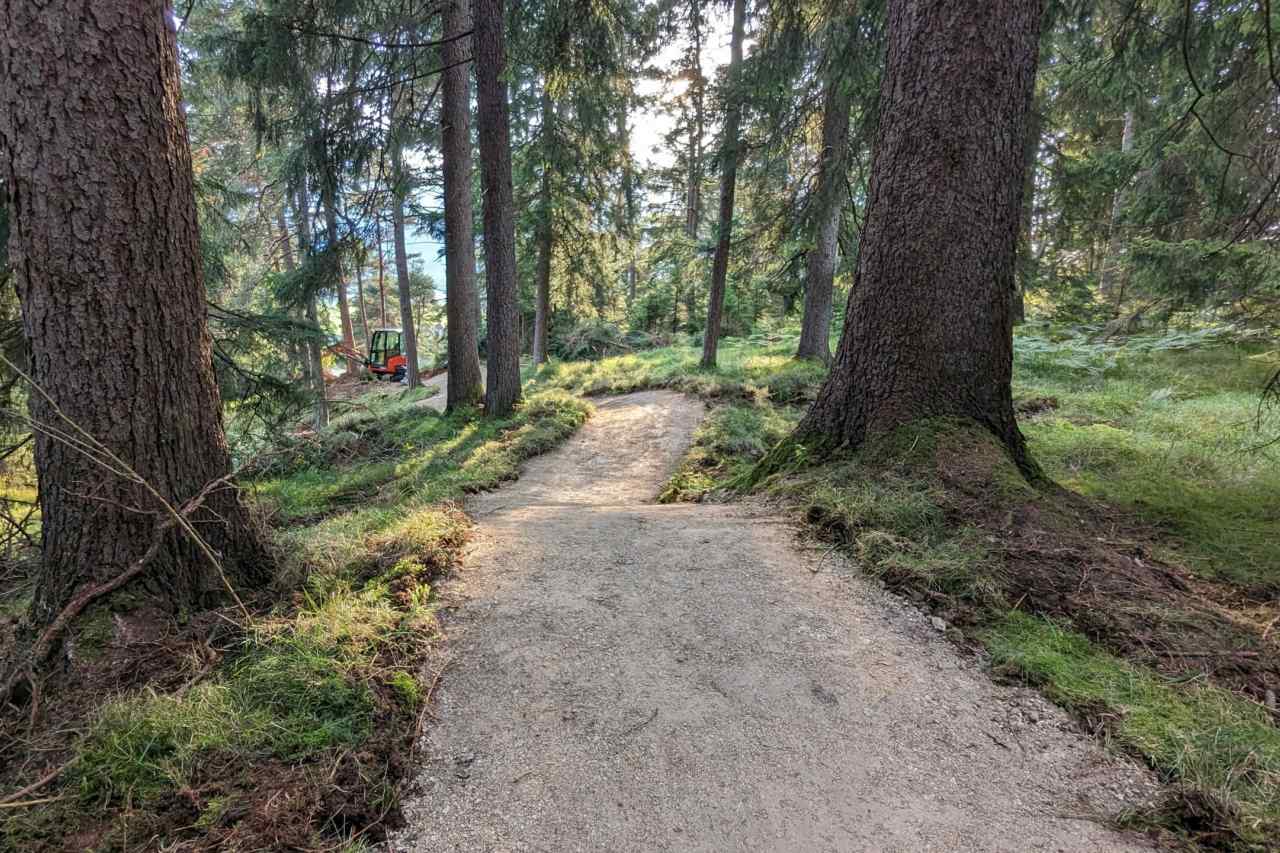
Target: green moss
x,y
287,698
407,689
1225,747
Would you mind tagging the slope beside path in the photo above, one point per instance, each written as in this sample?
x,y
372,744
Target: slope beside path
x,y
634,676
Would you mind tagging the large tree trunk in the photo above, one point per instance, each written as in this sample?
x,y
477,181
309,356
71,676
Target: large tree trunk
x,y
1111,263
728,185
545,238
315,356
465,383
502,389
928,331
815,325
328,198
106,256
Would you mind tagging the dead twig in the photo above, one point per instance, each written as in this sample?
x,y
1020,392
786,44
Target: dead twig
x,y
44,643
36,785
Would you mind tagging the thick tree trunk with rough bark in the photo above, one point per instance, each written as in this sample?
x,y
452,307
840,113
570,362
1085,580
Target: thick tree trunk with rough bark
x,y
545,238
502,390
815,324
106,255
728,186
465,384
928,331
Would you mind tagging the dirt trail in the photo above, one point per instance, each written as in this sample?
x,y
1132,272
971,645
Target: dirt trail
x,y
441,382
630,676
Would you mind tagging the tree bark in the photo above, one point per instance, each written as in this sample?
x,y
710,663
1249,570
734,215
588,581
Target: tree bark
x,y
315,356
815,324
364,313
399,192
545,238
728,185
105,251
465,385
382,273
697,93
297,353
928,331
329,199
1111,266
502,389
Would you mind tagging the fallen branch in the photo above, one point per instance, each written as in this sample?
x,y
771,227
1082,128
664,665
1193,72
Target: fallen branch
x,y
12,799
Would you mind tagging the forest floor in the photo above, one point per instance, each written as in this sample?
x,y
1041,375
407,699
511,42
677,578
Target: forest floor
x,y
633,675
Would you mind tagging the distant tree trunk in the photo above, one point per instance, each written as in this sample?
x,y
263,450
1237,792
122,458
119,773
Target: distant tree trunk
x,y
105,252
728,185
314,353
1111,263
546,236
364,314
928,331
502,390
404,288
465,383
328,198
382,273
1025,257
628,191
815,324
297,353
693,194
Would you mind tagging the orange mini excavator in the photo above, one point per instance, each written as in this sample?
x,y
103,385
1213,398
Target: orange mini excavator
x,y
386,357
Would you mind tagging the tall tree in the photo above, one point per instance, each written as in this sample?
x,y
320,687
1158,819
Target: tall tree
x,y
315,357
329,201
465,382
1111,262
928,332
399,193
502,388
546,233
827,209
111,282
729,155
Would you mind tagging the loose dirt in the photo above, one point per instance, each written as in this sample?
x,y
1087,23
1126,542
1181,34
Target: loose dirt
x,y
634,676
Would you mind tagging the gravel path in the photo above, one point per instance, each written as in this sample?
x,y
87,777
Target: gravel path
x,y
630,676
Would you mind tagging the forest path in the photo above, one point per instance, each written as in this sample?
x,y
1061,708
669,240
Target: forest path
x,y
440,382
633,676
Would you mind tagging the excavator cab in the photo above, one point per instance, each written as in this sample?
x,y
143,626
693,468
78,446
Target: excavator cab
x,y
386,358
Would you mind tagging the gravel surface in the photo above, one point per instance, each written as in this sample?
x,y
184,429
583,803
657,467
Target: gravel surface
x,y
630,676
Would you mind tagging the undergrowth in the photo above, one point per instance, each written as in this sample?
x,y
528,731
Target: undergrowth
x,y
296,731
